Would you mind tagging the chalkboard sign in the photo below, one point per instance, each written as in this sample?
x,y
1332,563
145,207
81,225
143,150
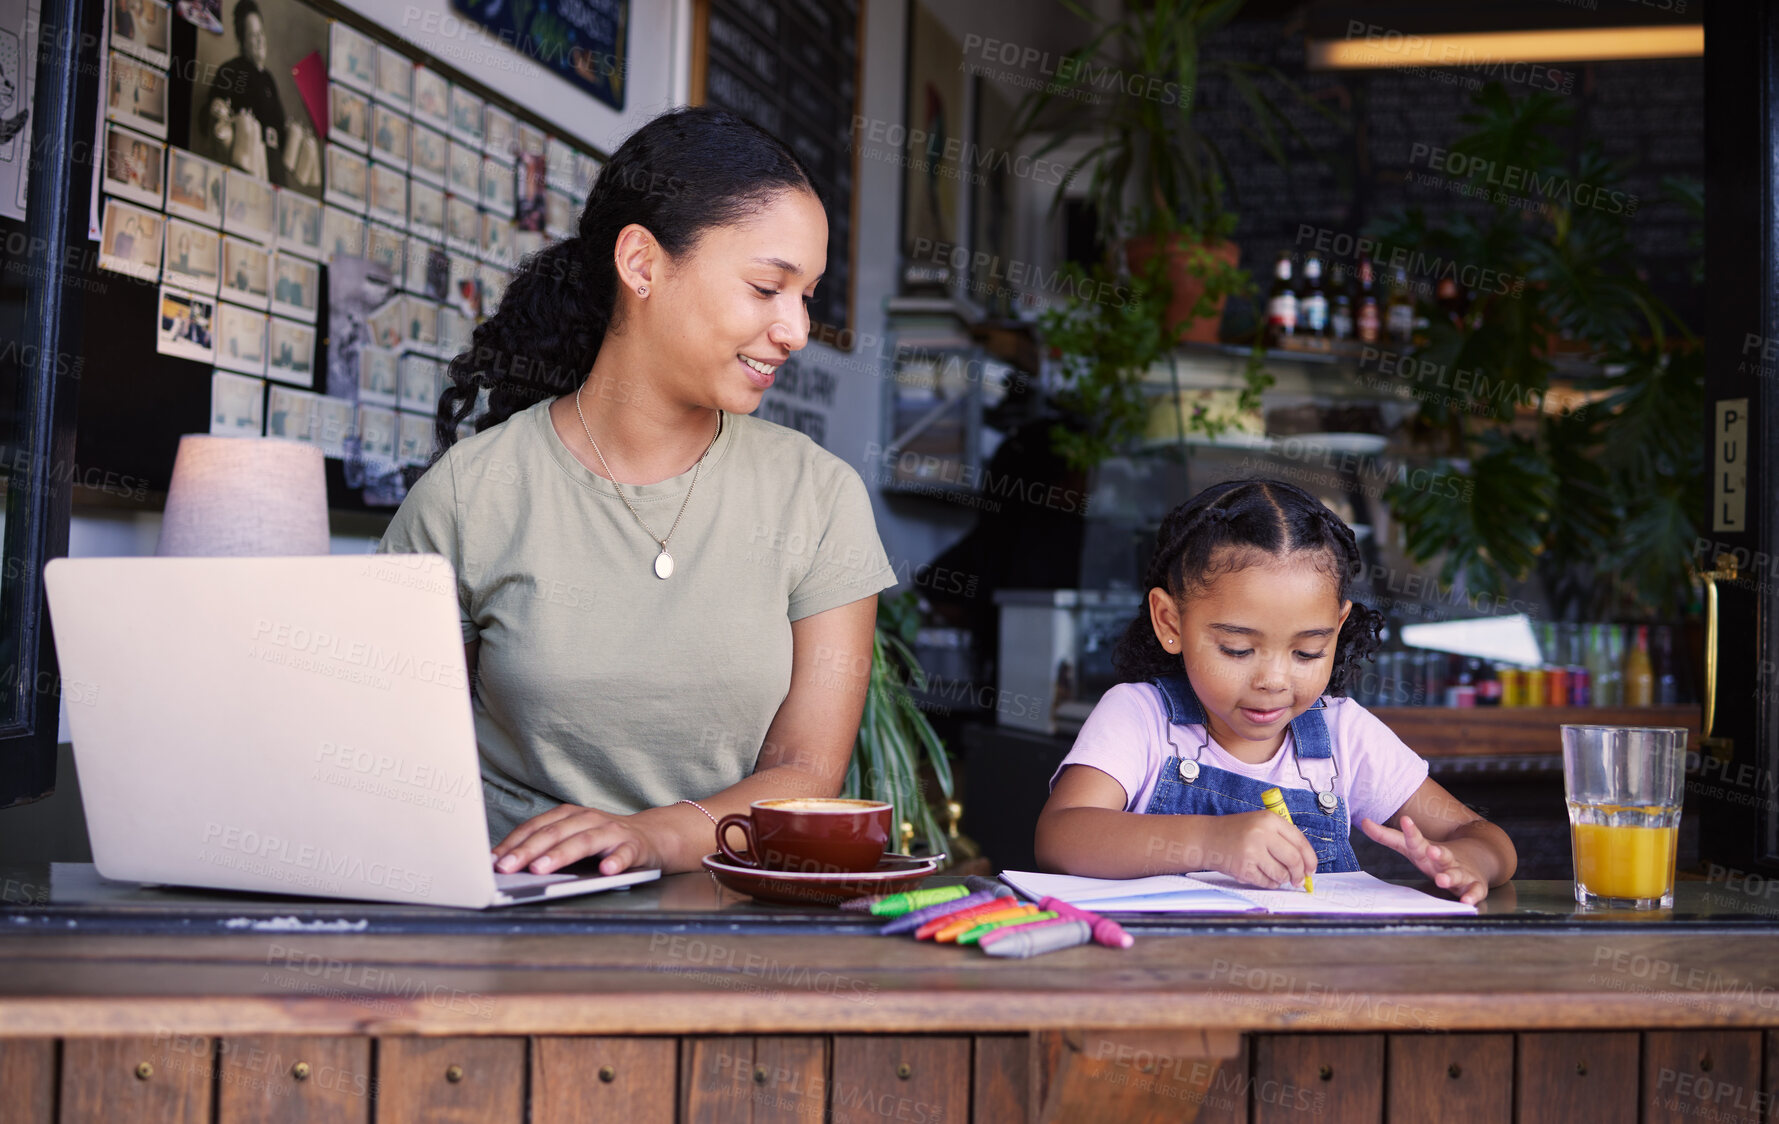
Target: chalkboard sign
x,y
583,40
1370,157
790,67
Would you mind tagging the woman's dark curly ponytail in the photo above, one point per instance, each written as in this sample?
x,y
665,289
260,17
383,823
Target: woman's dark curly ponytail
x,y
683,173
1265,516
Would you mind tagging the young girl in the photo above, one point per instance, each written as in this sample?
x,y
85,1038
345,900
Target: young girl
x,y
1230,683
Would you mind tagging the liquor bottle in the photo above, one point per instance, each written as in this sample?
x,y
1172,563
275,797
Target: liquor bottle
x,y
1312,310
1639,674
1399,318
1340,310
1370,320
1281,303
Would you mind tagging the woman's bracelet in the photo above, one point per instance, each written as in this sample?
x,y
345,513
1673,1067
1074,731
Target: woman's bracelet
x,y
700,807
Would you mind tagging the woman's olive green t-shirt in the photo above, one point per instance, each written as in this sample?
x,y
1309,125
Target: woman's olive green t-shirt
x,y
598,683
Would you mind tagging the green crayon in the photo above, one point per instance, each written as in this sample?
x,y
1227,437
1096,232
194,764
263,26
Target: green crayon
x,y
897,904
971,936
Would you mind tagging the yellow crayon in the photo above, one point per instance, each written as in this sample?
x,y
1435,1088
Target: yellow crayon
x,y
1275,803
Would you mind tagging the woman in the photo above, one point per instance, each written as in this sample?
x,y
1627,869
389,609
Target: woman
x,y
667,605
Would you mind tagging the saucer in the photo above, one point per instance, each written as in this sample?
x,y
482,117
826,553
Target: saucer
x,y
893,874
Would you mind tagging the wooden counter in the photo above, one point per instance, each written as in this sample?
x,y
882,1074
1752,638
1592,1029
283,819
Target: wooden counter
x,y
685,1003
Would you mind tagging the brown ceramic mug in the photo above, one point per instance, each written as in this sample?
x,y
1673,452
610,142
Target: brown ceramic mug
x,y
810,834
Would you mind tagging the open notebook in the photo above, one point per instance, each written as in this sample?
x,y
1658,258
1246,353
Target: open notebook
x,y
1354,893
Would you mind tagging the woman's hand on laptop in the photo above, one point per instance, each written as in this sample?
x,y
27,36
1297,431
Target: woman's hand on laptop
x,y
569,833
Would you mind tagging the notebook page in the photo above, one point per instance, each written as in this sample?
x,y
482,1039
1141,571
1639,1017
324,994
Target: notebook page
x,y
1351,893
1160,893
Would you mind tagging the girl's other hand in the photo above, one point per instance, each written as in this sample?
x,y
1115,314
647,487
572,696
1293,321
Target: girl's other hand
x,y
1441,864
568,833
1263,850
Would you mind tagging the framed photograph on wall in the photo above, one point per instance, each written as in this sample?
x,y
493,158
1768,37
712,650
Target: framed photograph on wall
x,y
296,287
352,57
237,405
240,339
350,114
194,187
130,241
193,257
377,376
389,136
395,77
499,133
342,234
143,28
299,224
432,98
431,150
389,195
248,207
290,352
186,326
347,179
135,166
246,273
466,116
137,95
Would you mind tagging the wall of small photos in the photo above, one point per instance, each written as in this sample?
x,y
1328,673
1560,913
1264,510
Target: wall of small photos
x,y
229,193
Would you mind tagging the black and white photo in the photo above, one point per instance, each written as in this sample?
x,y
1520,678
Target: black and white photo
x,y
248,108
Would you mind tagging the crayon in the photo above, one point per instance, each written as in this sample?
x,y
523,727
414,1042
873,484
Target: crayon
x,y
933,925
864,904
971,936
897,904
956,929
1109,933
1275,803
1023,924
909,922
995,886
1062,934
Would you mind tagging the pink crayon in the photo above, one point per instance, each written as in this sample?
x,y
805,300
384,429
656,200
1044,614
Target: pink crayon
x,y
1109,933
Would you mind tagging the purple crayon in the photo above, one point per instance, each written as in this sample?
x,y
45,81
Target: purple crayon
x,y
909,922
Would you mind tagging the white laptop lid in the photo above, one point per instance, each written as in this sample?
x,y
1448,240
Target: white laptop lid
x,y
289,725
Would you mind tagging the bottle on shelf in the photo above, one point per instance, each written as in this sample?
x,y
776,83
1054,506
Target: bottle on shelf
x,y
1513,685
1661,656
1312,307
1340,309
1639,673
1369,322
1399,317
1281,303
1603,666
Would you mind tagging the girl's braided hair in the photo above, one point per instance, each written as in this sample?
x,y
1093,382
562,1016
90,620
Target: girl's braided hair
x,y
1218,531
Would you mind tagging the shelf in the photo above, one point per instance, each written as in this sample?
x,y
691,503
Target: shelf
x,y
1517,731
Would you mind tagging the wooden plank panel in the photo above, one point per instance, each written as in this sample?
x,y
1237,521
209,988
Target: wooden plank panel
x,y
1466,1077
284,1079
1564,1077
716,1080
28,1079
631,1080
1138,1077
1000,1078
1332,1076
450,1080
165,1079
877,1078
1518,731
795,1089
1694,1075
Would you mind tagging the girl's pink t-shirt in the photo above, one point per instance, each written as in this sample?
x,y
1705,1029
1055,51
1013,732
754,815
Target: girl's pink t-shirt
x,y
1129,738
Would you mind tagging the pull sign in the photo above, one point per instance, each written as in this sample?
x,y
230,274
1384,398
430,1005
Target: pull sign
x,y
1729,478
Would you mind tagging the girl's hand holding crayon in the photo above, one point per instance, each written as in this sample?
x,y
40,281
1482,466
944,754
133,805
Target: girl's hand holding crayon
x,y
1262,850
1444,865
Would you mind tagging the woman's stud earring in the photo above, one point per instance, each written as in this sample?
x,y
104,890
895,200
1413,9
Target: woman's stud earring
x,y
642,290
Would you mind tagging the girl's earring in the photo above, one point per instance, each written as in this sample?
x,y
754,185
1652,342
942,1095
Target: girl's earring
x,y
642,290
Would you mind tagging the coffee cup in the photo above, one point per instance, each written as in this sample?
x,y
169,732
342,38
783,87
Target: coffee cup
x,y
809,834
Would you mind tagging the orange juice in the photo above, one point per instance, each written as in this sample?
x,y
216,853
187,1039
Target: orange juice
x,y
1624,862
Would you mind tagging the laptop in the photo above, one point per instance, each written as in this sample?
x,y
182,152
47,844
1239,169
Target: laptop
x,y
282,725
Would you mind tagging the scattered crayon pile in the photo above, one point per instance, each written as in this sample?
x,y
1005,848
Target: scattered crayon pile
x,y
985,913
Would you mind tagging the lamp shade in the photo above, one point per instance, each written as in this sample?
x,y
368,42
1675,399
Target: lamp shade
x,y
245,496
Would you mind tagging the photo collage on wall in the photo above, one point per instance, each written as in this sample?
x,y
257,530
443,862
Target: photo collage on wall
x,y
312,142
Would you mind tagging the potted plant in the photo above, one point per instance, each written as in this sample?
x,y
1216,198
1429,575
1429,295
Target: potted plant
x,y
1599,503
1156,180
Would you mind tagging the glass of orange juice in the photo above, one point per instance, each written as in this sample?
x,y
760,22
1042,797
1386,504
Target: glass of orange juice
x,y
1623,786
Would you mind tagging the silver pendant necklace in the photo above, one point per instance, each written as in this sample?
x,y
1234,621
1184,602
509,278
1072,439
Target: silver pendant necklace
x,y
663,560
